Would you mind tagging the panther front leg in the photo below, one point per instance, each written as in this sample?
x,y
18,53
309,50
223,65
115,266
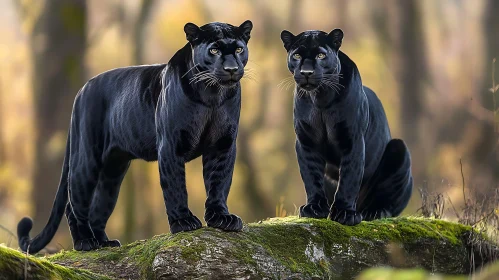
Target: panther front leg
x,y
343,208
172,179
312,167
218,167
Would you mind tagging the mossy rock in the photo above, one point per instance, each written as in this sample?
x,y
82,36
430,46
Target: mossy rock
x,y
288,248
15,265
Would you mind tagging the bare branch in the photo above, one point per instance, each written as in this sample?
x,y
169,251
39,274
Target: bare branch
x,y
462,176
8,231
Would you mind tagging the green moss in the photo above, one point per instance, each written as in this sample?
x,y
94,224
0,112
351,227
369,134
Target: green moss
x,y
192,252
142,253
13,265
244,250
276,239
407,229
108,254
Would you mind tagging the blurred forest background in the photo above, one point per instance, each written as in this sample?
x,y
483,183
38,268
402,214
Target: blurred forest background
x,y
430,62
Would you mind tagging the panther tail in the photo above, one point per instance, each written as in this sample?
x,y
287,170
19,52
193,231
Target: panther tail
x,y
43,238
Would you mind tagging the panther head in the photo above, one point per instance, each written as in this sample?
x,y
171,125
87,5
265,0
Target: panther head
x,y
219,52
313,58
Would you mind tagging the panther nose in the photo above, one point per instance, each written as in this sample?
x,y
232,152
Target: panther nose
x,y
231,69
307,73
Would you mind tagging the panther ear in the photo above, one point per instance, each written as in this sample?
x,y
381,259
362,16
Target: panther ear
x,y
288,39
191,31
335,38
245,30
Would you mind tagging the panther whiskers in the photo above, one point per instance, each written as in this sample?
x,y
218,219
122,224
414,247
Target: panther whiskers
x,y
197,76
200,76
334,85
286,83
301,92
195,65
249,74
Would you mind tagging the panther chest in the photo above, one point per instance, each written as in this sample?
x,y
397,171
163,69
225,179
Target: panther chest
x,y
203,134
319,133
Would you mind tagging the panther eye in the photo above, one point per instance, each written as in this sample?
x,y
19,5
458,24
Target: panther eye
x,y
297,56
214,51
321,56
239,50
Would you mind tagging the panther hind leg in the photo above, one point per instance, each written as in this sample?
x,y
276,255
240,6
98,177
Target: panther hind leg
x,y
389,190
106,196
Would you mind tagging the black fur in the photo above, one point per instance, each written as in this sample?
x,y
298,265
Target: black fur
x,y
172,113
351,167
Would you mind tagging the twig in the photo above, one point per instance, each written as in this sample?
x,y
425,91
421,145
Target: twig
x,y
8,231
26,264
484,217
493,90
452,204
428,227
462,176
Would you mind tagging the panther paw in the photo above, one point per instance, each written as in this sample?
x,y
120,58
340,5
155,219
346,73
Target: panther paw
x,y
312,210
110,243
226,222
345,217
185,224
86,244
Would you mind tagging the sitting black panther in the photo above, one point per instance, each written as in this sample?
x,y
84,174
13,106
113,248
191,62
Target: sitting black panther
x,y
172,113
351,168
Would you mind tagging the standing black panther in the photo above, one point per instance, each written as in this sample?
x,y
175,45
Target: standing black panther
x,y
351,167
172,113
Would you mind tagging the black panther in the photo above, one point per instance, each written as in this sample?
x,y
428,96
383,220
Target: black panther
x,y
351,167
171,113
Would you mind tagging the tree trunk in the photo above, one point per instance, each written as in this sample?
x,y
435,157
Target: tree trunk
x,y
251,183
137,180
141,169
491,26
2,143
485,153
398,25
412,69
283,179
140,31
58,45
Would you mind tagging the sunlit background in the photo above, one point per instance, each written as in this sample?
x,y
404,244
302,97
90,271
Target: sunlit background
x,y
430,62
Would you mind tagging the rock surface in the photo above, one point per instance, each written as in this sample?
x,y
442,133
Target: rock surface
x,y
278,248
